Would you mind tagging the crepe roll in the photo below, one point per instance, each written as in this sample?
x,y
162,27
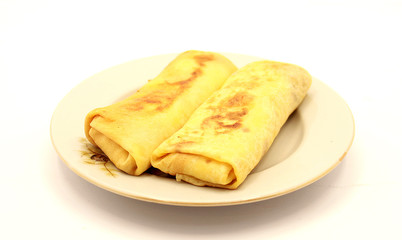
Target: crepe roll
x,y
229,133
129,131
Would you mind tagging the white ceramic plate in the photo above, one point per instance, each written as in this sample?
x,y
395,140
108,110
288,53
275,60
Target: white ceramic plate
x,y
314,140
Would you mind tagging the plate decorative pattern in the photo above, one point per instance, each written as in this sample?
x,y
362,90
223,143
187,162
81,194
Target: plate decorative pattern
x,y
94,156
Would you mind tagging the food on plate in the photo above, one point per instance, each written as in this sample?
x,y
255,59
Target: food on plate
x,y
225,138
129,131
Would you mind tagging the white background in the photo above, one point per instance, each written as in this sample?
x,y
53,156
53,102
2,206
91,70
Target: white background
x,y
47,47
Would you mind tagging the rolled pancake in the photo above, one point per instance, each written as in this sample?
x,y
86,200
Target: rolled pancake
x,y
130,130
228,134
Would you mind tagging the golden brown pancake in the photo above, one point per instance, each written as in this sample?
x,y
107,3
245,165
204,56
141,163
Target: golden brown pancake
x,y
130,130
228,134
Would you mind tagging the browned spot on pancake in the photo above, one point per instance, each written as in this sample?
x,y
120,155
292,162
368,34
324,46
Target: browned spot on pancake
x,y
164,97
228,114
201,59
133,107
238,100
246,129
184,143
238,114
233,125
179,145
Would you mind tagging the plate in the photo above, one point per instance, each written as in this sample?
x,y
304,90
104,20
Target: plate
x,y
313,141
